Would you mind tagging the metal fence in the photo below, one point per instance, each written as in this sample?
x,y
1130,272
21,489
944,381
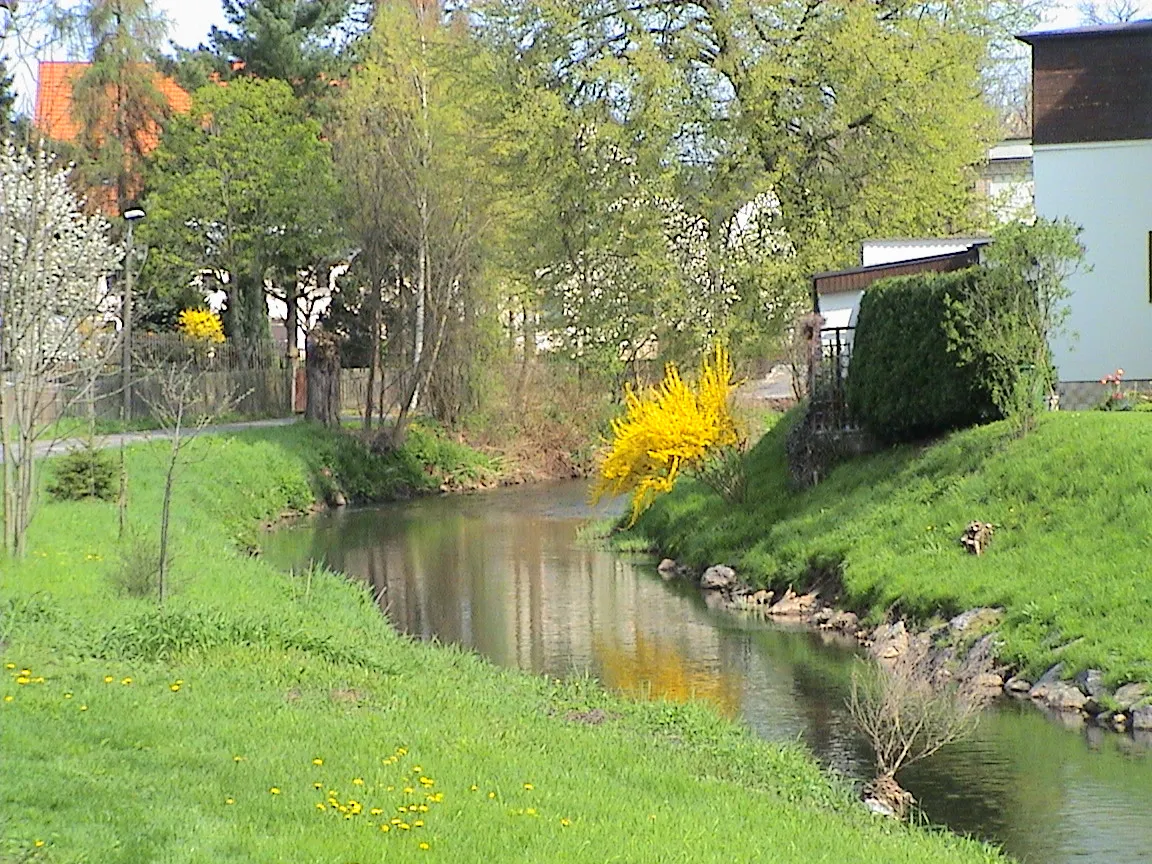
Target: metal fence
x,y
827,381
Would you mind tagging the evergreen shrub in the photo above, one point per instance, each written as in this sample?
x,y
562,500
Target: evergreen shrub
x,y
906,381
87,472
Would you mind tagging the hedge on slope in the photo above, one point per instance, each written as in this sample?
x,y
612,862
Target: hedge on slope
x,y
906,381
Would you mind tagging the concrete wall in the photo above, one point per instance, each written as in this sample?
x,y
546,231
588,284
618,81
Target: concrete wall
x,y
1107,189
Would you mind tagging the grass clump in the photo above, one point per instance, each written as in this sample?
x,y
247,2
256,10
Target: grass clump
x,y
264,716
1070,503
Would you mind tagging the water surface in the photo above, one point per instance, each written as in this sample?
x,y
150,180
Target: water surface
x,y
505,573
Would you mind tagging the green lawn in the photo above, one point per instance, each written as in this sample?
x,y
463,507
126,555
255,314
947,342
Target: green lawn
x,y
1071,560
223,727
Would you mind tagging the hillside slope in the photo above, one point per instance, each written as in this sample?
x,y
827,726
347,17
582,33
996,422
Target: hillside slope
x,y
1071,560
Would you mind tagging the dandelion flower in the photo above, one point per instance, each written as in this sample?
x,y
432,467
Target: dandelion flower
x,y
427,781
175,688
237,758
357,781
38,843
229,800
425,847
25,672
531,811
565,823
83,707
275,790
9,665
397,821
23,679
416,769
408,790
404,826
320,806
375,811
108,679
67,695
491,794
317,761
125,681
385,828
473,788
317,785
7,698
419,823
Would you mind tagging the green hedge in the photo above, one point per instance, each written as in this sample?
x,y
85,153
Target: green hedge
x,y
903,382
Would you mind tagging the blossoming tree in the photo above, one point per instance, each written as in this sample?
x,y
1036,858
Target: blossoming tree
x,y
55,312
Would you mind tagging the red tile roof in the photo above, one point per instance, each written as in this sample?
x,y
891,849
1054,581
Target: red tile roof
x,y
54,115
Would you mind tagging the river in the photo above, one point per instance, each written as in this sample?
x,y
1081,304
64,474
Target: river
x,y
506,573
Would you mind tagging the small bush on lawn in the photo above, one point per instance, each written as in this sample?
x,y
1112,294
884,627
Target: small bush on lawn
x,y
85,473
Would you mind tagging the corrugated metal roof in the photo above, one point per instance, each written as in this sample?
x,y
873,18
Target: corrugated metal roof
x,y
859,278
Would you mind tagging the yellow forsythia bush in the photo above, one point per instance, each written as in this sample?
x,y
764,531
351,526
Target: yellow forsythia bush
x,y
201,324
667,430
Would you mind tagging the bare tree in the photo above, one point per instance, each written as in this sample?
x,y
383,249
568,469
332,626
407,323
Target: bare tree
x,y
55,310
1109,11
907,712
178,401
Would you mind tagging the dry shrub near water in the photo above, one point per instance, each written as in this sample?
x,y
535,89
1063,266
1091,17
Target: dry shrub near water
x,y
908,712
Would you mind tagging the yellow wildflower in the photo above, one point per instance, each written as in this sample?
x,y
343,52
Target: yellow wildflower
x,y
565,822
7,698
175,688
529,786
419,823
375,811
425,847
108,679
229,800
125,681
38,843
317,761
83,707
320,806
275,790
9,665
385,828
357,781
23,679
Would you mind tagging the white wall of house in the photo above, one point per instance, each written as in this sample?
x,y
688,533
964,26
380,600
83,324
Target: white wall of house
x,y
1006,179
840,309
1107,189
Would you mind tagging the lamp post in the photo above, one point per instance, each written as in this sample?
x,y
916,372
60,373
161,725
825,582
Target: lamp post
x,y
131,216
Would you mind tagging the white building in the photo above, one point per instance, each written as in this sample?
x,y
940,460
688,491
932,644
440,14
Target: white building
x,y
1092,152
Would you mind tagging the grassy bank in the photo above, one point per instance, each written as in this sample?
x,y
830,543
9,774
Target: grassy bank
x,y
1068,562
237,721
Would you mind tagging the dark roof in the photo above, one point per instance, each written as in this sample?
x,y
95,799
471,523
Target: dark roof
x,y
858,278
1124,29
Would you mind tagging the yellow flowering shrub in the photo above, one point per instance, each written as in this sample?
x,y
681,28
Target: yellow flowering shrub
x,y
201,324
667,430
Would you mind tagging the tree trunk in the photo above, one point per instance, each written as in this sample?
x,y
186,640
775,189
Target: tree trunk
x,y
323,378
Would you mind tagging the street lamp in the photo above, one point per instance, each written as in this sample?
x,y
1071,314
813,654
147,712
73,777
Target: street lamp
x,y
132,215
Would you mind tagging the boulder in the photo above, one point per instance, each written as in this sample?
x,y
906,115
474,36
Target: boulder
x,y
1091,681
821,616
845,622
986,685
1130,694
1059,696
666,566
718,578
793,605
1142,718
1017,686
890,641
1053,675
978,620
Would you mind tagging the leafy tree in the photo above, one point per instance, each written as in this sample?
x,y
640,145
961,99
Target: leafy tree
x,y
859,119
242,188
413,148
1019,305
116,101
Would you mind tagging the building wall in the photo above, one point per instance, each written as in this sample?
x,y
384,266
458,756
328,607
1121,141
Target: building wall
x,y
840,309
1107,189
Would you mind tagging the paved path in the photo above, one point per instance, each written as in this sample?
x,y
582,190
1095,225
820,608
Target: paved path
x,y
106,442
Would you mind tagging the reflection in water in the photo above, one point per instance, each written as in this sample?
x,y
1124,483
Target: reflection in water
x,y
504,573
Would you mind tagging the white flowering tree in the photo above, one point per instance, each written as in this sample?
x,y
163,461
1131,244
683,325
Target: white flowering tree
x,y
55,315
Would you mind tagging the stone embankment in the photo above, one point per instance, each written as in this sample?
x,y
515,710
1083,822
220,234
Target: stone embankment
x,y
962,650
